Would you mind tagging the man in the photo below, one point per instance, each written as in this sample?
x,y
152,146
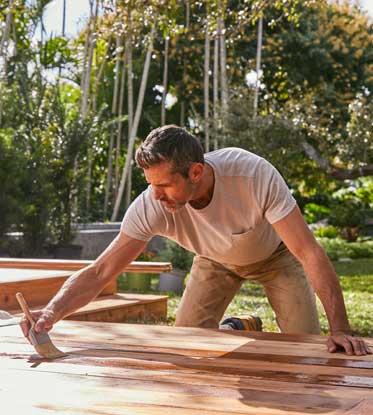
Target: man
x,y
234,210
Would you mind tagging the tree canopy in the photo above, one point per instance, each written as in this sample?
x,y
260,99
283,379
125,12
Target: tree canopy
x,y
73,110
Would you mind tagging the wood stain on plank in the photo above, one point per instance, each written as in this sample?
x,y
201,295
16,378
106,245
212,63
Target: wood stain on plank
x,y
116,369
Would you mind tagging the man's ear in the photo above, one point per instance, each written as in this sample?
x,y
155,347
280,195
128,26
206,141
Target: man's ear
x,y
196,172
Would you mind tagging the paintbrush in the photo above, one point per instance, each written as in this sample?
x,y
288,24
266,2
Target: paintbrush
x,y
41,341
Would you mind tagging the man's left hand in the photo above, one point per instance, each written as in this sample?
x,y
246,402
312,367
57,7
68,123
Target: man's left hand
x,y
350,344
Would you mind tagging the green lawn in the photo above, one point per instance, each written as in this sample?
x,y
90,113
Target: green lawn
x,y
357,283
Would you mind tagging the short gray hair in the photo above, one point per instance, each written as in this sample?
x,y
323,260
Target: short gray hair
x,y
173,144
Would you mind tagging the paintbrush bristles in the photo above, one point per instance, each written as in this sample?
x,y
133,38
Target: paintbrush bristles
x,y
41,341
43,345
49,351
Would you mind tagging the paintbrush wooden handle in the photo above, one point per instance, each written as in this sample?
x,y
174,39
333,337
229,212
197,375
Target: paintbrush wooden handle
x,y
22,302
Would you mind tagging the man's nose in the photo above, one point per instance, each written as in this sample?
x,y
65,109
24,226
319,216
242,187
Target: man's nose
x,y
158,193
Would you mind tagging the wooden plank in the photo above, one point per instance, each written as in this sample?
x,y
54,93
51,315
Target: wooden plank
x,y
191,337
364,407
38,291
176,342
171,394
198,379
268,391
19,274
38,287
75,265
122,368
114,396
276,392
123,308
119,308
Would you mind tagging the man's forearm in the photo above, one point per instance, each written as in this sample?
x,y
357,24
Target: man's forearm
x,y
78,290
326,285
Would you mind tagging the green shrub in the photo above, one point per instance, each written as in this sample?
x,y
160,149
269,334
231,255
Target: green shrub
x,y
314,212
326,232
178,256
348,211
10,194
339,248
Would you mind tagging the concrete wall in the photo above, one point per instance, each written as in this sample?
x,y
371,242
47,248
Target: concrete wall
x,y
95,237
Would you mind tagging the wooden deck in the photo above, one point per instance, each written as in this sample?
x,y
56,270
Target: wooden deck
x,y
39,285
137,369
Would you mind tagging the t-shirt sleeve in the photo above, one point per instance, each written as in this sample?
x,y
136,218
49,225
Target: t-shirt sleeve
x,y
273,195
142,219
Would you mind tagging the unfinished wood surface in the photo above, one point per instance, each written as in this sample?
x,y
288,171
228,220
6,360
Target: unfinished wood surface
x,y
75,265
123,308
120,308
40,285
37,286
140,369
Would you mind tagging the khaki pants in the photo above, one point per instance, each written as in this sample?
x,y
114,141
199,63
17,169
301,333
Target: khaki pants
x,y
212,286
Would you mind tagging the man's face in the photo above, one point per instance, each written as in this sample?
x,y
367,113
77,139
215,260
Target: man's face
x,y
172,189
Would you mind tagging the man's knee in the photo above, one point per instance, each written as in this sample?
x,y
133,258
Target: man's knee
x,y
300,316
183,320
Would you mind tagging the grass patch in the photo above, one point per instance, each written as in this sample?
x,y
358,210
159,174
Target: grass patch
x,y
356,279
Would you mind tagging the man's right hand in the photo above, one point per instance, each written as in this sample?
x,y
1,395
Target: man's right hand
x,y
44,319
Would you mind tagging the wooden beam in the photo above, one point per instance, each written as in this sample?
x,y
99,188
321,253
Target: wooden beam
x,y
75,265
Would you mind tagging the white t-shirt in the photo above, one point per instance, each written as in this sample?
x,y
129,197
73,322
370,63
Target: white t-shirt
x,y
235,227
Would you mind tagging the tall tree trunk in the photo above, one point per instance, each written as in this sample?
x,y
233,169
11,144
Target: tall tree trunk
x,y
84,85
258,63
187,13
85,101
129,81
64,18
6,32
91,47
207,84
3,51
130,108
41,31
109,174
127,201
135,126
182,114
216,91
114,106
99,76
223,67
120,122
89,179
63,31
182,104
165,76
85,53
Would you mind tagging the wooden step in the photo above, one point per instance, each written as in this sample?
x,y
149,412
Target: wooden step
x,y
37,286
40,279
121,307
